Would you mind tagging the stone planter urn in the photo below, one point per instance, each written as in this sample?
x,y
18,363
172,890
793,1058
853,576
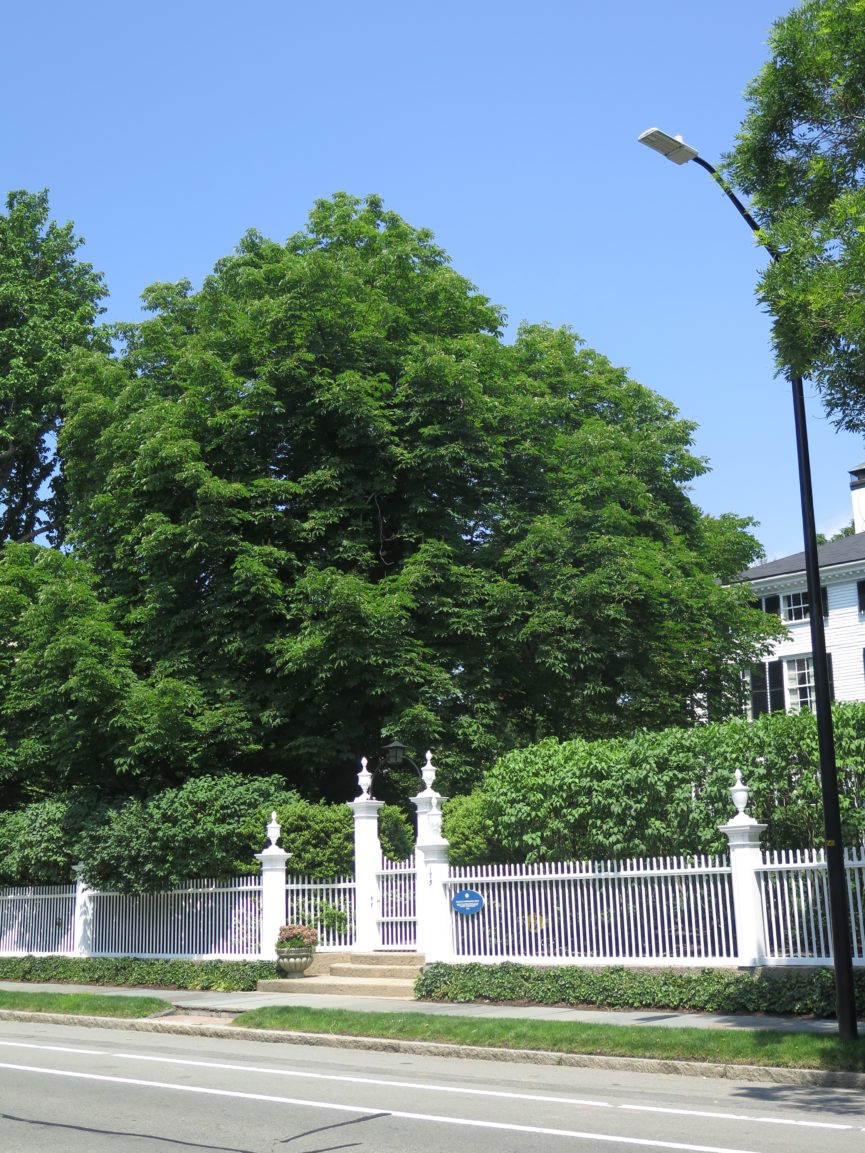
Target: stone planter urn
x,y
294,962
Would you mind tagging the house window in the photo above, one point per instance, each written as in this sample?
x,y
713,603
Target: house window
x,y
784,686
771,604
767,689
794,606
800,683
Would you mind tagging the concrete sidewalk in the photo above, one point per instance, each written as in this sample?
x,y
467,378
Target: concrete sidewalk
x,y
204,1003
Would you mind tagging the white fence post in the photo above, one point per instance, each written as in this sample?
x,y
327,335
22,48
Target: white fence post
x,y
434,938
743,833
272,861
82,922
367,860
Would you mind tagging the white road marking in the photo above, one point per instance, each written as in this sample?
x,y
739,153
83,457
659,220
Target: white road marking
x,y
426,1086
535,1130
52,1048
732,1116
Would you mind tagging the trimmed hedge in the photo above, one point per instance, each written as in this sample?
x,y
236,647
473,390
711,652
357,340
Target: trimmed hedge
x,y
808,992
800,992
224,976
660,793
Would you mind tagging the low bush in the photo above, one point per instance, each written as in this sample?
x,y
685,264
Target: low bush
x,y
224,976
809,992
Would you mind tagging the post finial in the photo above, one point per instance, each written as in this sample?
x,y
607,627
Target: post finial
x,y
274,828
364,779
428,772
739,793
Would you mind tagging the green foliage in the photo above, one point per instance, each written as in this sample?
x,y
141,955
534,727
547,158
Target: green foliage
x,y
199,829
797,993
224,976
209,827
469,828
325,502
395,833
74,711
49,302
319,837
800,156
40,843
663,793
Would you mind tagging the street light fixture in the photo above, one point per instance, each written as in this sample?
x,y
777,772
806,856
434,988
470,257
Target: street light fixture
x,y
674,148
394,755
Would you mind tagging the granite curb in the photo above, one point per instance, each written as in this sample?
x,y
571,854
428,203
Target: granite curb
x,y
163,1024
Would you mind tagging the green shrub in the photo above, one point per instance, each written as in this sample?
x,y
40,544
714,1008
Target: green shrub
x,y
197,830
225,976
794,993
395,833
665,793
468,826
41,842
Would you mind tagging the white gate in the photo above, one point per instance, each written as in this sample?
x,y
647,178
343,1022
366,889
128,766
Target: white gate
x,y
397,912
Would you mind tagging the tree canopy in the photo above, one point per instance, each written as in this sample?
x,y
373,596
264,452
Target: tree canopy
x,y
325,503
49,301
801,156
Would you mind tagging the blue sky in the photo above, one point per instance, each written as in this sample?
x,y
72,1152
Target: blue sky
x,y
166,130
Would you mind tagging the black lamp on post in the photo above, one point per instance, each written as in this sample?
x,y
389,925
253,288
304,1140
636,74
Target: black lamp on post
x,y
395,754
675,149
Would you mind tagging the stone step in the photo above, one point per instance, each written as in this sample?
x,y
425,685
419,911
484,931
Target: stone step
x,y
382,957
350,969
341,986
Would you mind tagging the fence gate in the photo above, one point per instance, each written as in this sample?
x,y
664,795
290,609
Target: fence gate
x,y
397,911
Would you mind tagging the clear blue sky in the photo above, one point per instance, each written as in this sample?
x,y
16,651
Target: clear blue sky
x,y
165,130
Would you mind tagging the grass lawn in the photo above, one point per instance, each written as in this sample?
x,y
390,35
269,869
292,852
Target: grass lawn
x,y
726,1046
83,1004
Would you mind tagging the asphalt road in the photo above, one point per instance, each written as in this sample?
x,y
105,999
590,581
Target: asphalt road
x,y
77,1090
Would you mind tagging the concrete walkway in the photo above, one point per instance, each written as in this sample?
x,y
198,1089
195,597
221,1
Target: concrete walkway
x,y
192,1003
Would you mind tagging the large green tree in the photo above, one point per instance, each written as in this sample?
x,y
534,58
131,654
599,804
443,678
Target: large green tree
x,y
801,157
323,494
49,301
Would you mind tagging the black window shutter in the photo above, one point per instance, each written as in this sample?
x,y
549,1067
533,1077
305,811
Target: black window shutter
x,y
860,589
824,597
759,700
773,605
777,704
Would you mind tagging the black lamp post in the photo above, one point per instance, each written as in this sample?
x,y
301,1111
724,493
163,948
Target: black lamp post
x,y
675,149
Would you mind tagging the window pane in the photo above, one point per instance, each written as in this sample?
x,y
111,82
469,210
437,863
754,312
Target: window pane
x,y
795,606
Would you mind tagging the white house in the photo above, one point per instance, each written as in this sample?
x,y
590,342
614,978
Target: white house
x,y
785,680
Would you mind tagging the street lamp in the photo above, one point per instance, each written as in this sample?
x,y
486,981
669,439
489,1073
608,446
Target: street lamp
x,y
394,755
674,148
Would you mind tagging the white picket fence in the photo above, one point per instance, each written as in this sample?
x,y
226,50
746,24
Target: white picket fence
x,y
327,905
633,912
795,905
203,918
36,919
397,919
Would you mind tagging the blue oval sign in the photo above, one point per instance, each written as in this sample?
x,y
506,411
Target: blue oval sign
x,y
467,901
